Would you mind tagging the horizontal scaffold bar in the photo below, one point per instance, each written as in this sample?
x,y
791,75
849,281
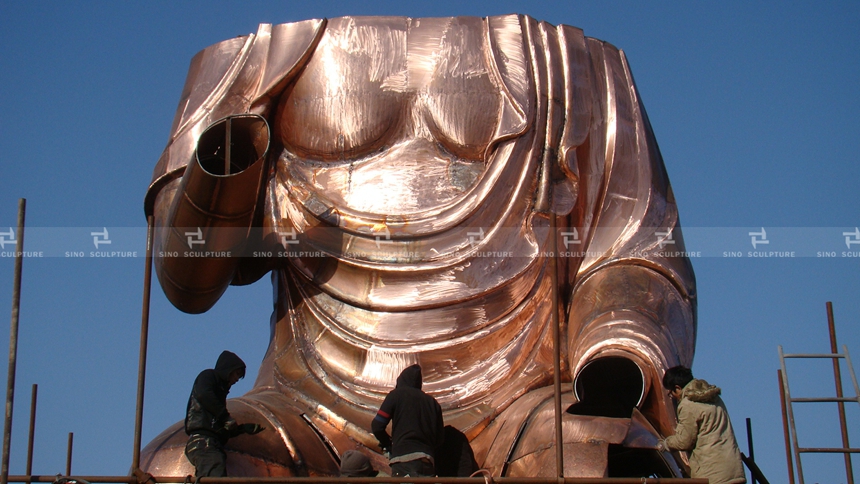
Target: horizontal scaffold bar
x,y
360,480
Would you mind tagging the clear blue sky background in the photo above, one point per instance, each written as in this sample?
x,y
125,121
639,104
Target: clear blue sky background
x,y
755,106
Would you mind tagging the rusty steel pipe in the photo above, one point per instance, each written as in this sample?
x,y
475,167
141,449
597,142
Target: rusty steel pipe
x,y
368,480
32,434
13,339
227,142
837,375
556,346
757,474
69,454
750,448
144,338
786,433
829,450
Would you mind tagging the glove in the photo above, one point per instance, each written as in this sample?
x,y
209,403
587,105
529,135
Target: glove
x,y
229,424
661,446
252,428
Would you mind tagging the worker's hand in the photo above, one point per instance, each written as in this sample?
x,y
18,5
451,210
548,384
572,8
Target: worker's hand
x,y
229,424
252,428
661,446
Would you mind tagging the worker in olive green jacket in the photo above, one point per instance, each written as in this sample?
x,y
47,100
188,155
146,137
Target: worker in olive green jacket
x,y
704,429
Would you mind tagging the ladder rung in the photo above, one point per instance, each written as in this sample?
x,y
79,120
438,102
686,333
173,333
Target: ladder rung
x,y
814,355
831,450
826,399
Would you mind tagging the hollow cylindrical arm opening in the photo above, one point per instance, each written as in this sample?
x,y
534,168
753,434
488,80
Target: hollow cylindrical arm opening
x,y
203,220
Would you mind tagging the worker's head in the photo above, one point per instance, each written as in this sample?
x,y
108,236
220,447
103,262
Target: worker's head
x,y
675,379
230,367
355,464
410,377
235,376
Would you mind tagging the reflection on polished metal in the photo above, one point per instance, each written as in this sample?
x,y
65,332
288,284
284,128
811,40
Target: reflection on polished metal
x,y
404,181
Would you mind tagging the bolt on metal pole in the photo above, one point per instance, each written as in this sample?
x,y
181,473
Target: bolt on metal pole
x,y
144,335
13,341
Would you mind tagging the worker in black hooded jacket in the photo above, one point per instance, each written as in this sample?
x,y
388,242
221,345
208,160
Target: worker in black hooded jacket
x,y
207,421
417,428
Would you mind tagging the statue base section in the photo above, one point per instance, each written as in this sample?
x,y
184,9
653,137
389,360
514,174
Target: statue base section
x,y
517,443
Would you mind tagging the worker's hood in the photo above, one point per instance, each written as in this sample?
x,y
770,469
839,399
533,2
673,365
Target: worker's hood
x,y
227,362
410,377
700,391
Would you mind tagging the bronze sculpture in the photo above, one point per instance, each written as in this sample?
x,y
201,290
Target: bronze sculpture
x,y
403,180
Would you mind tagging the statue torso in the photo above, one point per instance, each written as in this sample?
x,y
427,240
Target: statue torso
x,y
391,165
392,118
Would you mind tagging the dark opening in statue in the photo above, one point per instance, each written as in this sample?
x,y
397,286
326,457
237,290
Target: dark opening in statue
x,y
429,191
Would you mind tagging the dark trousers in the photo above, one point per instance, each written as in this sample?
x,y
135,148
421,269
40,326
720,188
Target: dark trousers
x,y
413,468
207,456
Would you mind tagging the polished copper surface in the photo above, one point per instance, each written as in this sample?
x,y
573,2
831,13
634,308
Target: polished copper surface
x,y
399,179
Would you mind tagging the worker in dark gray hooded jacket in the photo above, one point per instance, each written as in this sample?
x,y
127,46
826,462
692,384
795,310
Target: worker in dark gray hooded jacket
x,y
207,421
417,428
704,429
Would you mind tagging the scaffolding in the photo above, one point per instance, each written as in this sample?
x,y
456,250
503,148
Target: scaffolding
x,y
793,448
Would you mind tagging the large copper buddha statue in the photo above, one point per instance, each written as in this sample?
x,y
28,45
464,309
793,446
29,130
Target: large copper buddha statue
x,y
406,183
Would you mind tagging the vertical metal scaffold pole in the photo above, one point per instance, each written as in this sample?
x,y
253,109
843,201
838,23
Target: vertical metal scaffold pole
x,y
750,448
32,436
228,142
837,376
69,453
144,335
13,340
556,344
785,427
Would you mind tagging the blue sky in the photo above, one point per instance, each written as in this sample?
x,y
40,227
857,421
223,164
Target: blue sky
x,y
754,105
